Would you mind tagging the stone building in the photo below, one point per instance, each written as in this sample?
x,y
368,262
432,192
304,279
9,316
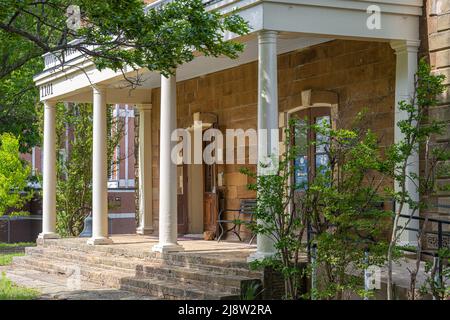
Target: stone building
x,y
327,59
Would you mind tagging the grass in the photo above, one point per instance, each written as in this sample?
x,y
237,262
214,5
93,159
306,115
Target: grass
x,y
17,244
8,289
11,291
6,259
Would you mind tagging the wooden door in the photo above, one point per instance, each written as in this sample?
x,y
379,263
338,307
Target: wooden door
x,y
182,199
210,203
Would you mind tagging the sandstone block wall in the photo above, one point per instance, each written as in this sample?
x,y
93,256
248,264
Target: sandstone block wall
x,y
361,73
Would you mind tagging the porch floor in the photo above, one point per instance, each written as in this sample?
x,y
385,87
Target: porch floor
x,y
141,246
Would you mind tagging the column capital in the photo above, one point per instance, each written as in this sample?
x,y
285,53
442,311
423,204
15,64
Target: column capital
x,y
144,107
410,46
174,74
99,88
267,36
50,103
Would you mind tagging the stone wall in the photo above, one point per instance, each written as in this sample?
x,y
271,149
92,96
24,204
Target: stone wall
x,y
435,47
361,73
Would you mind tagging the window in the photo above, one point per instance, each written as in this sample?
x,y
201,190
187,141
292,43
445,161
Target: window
x,y
311,157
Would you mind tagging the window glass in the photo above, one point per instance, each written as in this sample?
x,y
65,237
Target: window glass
x,y
322,142
312,158
301,161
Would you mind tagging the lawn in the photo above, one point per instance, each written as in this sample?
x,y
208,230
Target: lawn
x,y
10,291
6,259
17,244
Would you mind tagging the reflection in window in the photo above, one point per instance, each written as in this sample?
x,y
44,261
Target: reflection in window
x,y
301,161
322,142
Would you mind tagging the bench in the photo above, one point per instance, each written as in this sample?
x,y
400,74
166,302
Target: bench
x,y
244,215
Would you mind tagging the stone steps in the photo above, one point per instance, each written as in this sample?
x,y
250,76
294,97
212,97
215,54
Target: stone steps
x,y
172,290
237,268
146,269
102,276
126,281
173,276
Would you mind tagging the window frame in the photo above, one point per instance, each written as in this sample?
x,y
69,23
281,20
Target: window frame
x,y
310,113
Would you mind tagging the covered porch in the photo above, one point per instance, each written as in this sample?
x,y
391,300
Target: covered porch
x,y
159,99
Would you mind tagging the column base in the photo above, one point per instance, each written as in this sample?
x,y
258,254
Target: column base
x,y
166,248
99,241
258,256
48,235
145,230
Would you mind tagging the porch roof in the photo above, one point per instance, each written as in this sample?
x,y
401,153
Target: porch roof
x,y
301,23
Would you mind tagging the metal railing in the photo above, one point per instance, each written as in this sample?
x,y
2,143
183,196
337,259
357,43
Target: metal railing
x,y
440,233
435,253
8,220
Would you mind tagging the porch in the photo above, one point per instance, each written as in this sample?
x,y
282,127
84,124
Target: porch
x,y
280,72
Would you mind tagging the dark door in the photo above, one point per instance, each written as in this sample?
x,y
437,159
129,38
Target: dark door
x,y
182,197
210,203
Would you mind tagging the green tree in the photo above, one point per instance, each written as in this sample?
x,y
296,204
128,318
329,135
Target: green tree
x,y
344,206
417,130
340,204
14,176
117,33
18,105
278,220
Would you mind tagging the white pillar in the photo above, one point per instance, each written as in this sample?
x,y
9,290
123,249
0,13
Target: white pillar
x,y
99,170
168,170
406,68
49,174
267,117
145,170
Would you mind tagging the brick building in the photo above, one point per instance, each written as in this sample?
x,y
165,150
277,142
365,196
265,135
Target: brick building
x,y
322,58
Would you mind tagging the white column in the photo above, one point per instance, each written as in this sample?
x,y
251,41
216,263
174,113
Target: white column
x,y
145,170
267,118
99,170
406,68
168,169
49,174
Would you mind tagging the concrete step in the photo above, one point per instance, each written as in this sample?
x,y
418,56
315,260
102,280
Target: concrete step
x,y
142,268
172,290
119,279
102,276
210,281
210,264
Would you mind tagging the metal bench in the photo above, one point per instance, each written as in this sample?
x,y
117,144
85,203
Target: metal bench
x,y
243,215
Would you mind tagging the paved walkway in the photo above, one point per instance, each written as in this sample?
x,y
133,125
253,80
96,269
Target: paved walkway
x,y
58,287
